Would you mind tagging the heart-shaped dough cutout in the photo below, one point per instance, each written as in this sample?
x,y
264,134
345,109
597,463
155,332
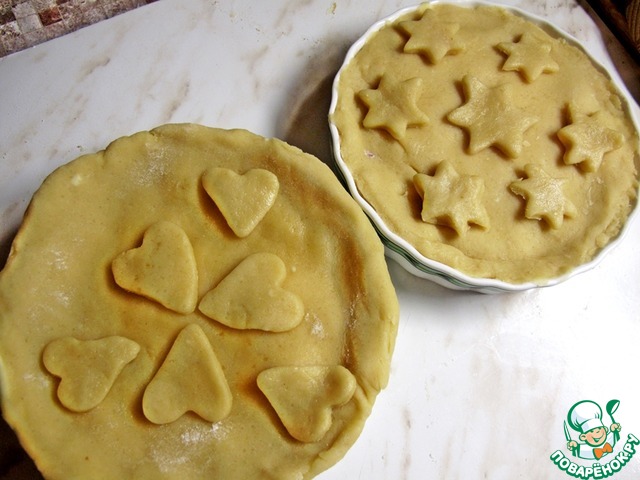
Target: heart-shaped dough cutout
x,y
304,397
190,379
243,200
162,269
250,297
87,368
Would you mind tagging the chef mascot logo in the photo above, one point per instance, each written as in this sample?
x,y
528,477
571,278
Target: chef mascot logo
x,y
591,439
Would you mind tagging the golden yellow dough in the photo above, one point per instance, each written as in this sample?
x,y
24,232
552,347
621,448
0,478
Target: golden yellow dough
x,y
487,143
108,372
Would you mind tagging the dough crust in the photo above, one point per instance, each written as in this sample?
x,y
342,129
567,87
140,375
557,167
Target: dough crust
x,y
78,279
503,98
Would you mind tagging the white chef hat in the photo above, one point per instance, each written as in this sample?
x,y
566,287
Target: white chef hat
x,y
585,415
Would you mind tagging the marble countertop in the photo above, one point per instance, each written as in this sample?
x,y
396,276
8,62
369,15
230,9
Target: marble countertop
x,y
25,23
480,385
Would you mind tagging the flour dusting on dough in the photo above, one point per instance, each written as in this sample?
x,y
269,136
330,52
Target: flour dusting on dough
x,y
196,435
59,260
151,172
39,380
317,329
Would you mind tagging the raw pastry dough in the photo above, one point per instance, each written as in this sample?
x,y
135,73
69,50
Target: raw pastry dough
x,y
505,100
108,239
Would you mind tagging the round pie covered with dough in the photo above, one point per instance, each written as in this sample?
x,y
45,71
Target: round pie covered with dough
x,y
193,303
489,143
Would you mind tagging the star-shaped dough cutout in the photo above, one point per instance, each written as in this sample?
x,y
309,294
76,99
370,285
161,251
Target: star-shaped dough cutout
x,y
544,195
491,118
432,39
587,139
393,106
452,199
530,56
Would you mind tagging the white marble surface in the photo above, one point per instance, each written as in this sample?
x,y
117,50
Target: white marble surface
x,y
480,385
